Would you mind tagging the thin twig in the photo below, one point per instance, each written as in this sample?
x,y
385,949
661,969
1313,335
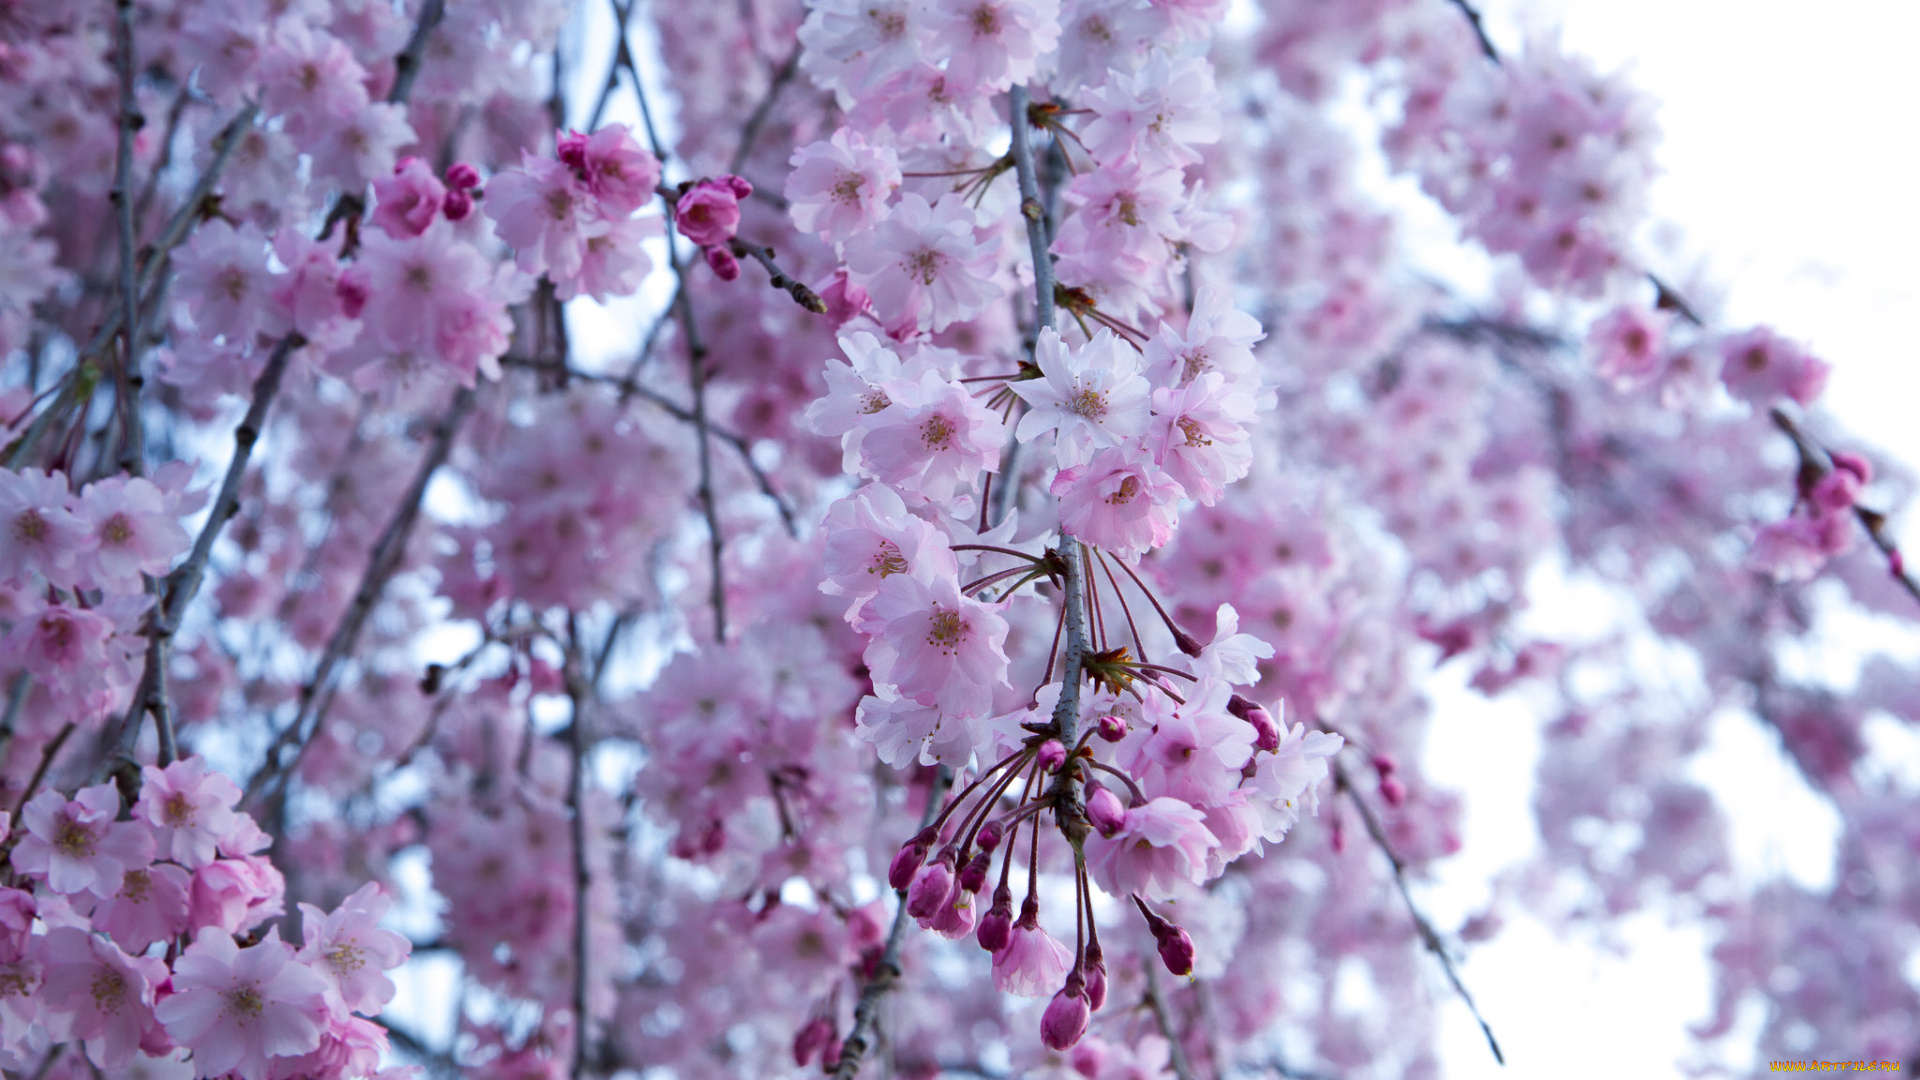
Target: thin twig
x,y
1479,31
758,119
133,438
1815,464
1162,1016
578,692
1428,935
763,255
317,695
866,1011
406,66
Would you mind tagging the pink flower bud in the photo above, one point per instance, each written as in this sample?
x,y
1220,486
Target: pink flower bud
x,y
1052,755
1106,812
571,147
811,1038
988,839
1089,1058
973,877
830,1056
1393,791
1176,950
1853,463
725,266
906,863
457,205
1111,728
843,298
931,888
1065,1020
352,291
462,176
1188,644
1096,977
1266,733
739,185
996,927
1383,765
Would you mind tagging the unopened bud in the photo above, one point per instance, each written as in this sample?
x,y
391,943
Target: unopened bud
x,y
1105,811
1111,727
973,877
457,204
1176,950
830,1056
931,888
1383,765
1393,791
996,927
1089,1059
906,862
811,1038
1052,755
739,185
1188,644
990,835
1853,463
462,176
1266,733
1065,1020
1096,977
724,265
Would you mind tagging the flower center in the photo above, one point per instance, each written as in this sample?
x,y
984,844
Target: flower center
x,y
136,885
1129,489
346,956
923,266
1195,434
109,991
1089,403
246,1002
874,400
74,840
937,432
117,529
30,527
848,189
888,560
946,629
985,20
178,810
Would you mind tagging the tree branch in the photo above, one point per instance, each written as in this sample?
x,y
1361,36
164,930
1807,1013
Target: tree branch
x,y
133,438
866,1011
1815,459
1157,1002
578,692
406,66
1428,935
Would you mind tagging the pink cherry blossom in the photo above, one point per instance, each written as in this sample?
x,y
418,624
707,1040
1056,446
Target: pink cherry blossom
x,y
709,213
925,266
107,996
1163,846
408,201
237,1009
190,809
77,846
841,186
1092,398
1118,501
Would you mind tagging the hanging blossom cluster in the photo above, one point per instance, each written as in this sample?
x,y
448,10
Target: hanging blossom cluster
x,y
146,938
418,513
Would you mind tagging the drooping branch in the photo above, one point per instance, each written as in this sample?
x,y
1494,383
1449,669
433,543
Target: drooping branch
x,y
1428,935
1479,30
579,693
1815,464
777,278
866,1011
133,440
406,66
317,694
1163,1018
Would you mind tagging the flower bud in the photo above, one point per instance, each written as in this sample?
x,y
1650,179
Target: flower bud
x,y
1187,642
462,176
739,185
725,266
1052,755
811,1038
830,1056
457,204
1089,1058
1383,765
996,927
1065,1020
1111,728
931,888
907,862
1393,791
1176,950
989,836
973,877
1096,977
1105,811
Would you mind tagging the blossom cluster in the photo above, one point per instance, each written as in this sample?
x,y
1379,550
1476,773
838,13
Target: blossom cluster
x,y
145,939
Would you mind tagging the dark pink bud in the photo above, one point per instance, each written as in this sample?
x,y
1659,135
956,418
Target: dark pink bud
x,y
830,1056
1096,977
931,888
996,927
973,877
1052,755
1383,765
843,298
1176,950
1106,812
725,266
990,835
1089,1059
811,1037
1393,791
1111,728
1266,733
352,291
571,147
1338,841
458,204
1853,463
1065,1020
1188,644
737,184
906,862
462,176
